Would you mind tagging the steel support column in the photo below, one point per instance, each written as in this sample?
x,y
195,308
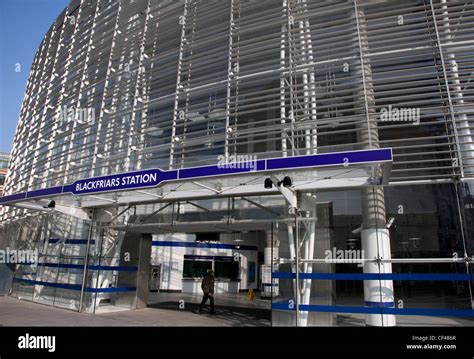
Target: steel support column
x,y
375,237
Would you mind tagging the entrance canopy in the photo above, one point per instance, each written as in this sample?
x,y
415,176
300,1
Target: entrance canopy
x,y
321,172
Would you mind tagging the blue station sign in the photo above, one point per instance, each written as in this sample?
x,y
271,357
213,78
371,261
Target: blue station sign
x,y
154,177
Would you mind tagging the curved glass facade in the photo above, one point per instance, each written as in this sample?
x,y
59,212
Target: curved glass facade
x,y
122,85
118,86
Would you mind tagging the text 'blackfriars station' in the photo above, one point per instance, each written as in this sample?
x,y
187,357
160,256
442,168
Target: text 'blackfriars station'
x,y
117,182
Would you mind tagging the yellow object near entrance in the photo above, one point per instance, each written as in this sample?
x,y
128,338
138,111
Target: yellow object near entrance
x,y
250,295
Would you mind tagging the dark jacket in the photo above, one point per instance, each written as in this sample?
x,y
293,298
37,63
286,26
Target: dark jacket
x,y
208,283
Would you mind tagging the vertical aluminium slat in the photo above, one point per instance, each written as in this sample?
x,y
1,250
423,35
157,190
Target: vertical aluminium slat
x,y
35,171
283,50
70,164
230,78
448,93
18,156
136,99
312,86
364,81
147,86
95,151
467,142
179,88
27,138
54,145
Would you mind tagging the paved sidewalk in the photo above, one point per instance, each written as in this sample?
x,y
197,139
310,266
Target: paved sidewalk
x,y
15,312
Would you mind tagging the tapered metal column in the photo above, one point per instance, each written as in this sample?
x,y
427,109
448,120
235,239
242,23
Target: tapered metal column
x,y
291,243
292,246
297,272
374,236
86,262
270,256
307,207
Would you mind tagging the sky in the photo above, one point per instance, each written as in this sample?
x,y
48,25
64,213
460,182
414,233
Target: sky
x,y
23,23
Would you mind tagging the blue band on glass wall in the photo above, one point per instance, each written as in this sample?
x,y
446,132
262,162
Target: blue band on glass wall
x,y
216,258
368,303
203,245
375,310
81,266
111,290
74,286
376,276
90,267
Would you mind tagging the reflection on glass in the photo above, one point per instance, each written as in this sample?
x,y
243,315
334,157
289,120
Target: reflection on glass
x,y
196,269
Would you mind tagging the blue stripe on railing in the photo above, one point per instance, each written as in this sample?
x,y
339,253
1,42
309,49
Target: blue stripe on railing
x,y
69,241
376,276
368,303
49,284
376,310
81,266
110,290
217,258
117,268
74,286
90,267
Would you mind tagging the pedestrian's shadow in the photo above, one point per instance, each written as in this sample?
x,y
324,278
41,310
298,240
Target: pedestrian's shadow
x,y
230,315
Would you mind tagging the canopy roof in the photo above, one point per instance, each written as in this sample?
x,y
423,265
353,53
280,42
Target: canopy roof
x,y
321,172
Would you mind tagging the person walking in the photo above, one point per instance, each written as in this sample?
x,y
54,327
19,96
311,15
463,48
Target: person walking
x,y
207,287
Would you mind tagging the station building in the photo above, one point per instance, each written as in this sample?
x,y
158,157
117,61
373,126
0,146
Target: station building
x,y
318,153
